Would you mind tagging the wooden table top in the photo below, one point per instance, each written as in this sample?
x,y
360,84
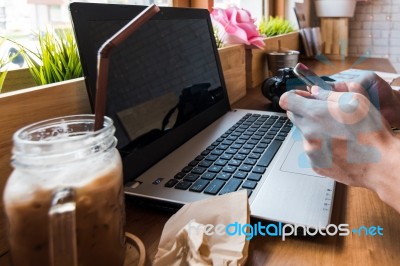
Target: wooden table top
x,y
353,206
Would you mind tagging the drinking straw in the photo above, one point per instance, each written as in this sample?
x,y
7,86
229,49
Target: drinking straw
x,y
103,57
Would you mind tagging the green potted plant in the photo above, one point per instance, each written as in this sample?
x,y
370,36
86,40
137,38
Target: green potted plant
x,y
279,34
55,60
274,26
282,56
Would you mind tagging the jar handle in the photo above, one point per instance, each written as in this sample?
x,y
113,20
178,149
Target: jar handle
x,y
62,233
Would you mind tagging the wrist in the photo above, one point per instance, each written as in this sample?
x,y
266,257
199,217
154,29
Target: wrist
x,y
384,179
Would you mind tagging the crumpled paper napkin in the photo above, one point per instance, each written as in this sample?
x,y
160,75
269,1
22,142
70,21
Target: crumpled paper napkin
x,y
196,234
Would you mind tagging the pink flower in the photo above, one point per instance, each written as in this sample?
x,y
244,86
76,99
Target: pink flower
x,y
235,26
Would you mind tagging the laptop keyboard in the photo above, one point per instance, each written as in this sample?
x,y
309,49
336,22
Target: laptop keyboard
x,y
237,159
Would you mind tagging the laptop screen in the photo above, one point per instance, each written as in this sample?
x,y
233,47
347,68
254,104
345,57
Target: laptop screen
x,y
164,83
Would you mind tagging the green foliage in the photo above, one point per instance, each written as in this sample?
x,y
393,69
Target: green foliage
x,y
218,39
57,58
3,63
274,26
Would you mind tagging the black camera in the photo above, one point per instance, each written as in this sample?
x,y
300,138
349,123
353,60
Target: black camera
x,y
285,80
273,88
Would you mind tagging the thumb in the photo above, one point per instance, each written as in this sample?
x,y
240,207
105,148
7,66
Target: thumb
x,y
319,93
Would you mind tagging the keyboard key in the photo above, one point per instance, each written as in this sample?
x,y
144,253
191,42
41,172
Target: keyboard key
x,y
254,177
231,185
223,147
215,168
252,142
233,138
234,162
277,125
205,163
269,153
240,175
236,146
250,161
254,156
193,163
280,138
199,170
244,137
179,175
248,146
258,150
224,176
259,169
246,167
199,185
240,141
240,157
231,151
245,151
262,146
217,152
208,176
183,185
211,158
210,148
221,162
187,169
249,184
265,140
285,129
171,183
229,169
227,142
257,138
191,177
226,156
214,187
199,158
205,152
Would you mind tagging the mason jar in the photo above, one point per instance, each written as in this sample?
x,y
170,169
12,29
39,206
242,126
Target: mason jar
x,y
64,200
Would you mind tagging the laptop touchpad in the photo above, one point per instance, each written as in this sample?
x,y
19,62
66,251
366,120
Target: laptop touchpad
x,y
297,161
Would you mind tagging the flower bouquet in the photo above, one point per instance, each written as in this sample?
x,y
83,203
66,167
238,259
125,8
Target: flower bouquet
x,y
235,25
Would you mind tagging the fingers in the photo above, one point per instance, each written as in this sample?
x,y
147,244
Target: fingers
x,y
340,87
320,93
296,101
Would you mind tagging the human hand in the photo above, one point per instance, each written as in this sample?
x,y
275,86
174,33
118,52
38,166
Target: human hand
x,y
345,136
378,91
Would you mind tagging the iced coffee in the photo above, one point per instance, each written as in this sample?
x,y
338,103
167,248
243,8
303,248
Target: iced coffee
x,y
92,169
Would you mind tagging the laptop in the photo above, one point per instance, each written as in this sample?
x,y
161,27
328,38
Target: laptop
x,y
179,139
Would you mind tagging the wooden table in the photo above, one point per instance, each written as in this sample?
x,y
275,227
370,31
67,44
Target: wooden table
x,y
353,206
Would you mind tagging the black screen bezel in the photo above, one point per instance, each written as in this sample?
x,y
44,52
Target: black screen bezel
x,y
137,162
